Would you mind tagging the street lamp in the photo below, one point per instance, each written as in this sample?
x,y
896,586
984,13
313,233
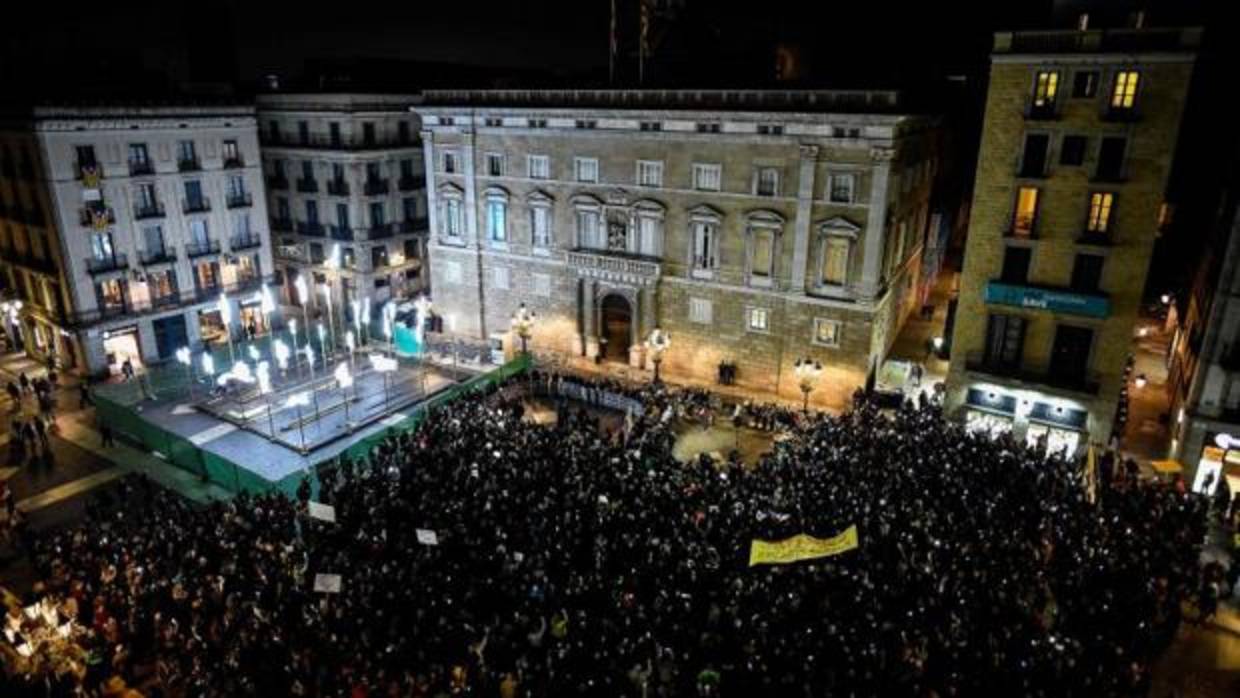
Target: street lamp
x,y
807,372
658,343
184,357
226,316
523,324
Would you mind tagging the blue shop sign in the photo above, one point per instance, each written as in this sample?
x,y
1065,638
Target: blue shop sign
x,y
1043,299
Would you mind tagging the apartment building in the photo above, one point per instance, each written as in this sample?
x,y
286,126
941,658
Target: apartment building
x,y
121,227
345,177
1079,133
1204,376
755,227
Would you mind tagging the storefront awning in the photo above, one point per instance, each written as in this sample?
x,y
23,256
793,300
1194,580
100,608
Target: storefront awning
x,y
991,401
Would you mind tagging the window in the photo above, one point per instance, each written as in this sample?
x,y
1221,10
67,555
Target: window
x,y
493,122
1045,87
409,206
1087,273
585,169
402,131
652,126
147,201
495,165
757,319
540,226
1111,158
1016,264
538,166
701,311
826,332
1100,204
283,212
588,233
1124,92
1070,353
368,133
232,155
650,173
241,225
186,157
1026,213
1085,84
536,123
373,172
706,177
541,285
452,271
153,239
1073,150
307,170
835,261
650,233
766,181
1033,163
378,257
711,127
303,132
236,187
586,123
198,234
139,163
193,194
342,216
1005,339
447,121
762,255
85,156
101,246
843,187
378,217
449,164
452,225
312,211
770,129
704,254
497,219
499,278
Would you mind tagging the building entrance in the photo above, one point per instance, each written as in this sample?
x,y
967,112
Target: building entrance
x,y
616,330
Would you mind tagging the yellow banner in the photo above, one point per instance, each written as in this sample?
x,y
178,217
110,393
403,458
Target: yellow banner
x,y
801,547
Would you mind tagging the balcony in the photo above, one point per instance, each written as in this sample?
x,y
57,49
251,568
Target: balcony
x,y
414,225
314,230
96,217
376,187
341,232
206,293
103,265
337,187
188,164
167,300
307,186
110,309
200,204
598,263
325,141
1041,112
379,231
145,211
202,249
408,183
239,200
282,225
244,242
1077,381
139,168
1055,300
162,255
233,162
277,182
1095,237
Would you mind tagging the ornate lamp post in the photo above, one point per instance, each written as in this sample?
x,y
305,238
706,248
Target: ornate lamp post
x,y
658,343
807,372
523,325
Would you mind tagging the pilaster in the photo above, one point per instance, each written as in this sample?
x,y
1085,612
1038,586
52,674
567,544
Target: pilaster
x,y
805,201
875,226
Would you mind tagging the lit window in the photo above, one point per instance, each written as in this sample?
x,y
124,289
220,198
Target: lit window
x,y
758,319
1044,90
826,332
835,260
585,169
452,219
706,177
1026,211
1100,211
649,173
1124,94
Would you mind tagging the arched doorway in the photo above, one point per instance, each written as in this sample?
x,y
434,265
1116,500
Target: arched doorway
x,y
616,328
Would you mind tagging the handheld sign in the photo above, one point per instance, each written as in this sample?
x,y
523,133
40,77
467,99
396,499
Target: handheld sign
x,y
426,537
327,583
323,512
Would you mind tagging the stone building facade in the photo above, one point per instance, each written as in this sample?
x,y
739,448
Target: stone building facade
x,y
121,227
1079,133
344,172
754,227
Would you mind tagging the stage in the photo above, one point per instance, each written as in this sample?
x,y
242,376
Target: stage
x,y
244,438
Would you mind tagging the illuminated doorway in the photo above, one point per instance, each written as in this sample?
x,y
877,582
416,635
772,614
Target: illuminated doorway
x,y
616,330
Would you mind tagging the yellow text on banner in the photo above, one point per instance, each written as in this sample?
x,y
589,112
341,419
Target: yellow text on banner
x,y
801,547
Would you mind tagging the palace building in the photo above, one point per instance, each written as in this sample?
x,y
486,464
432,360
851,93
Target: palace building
x,y
755,227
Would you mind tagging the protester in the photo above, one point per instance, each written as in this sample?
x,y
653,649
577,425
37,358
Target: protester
x,y
568,562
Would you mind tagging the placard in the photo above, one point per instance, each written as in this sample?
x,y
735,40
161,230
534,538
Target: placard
x,y
426,537
323,512
327,583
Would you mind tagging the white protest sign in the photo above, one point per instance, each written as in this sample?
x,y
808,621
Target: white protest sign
x,y
426,537
327,583
323,512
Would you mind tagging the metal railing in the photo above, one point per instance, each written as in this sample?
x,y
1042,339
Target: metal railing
x,y
143,211
325,141
341,232
375,187
159,256
415,225
282,225
307,186
245,242
199,204
239,200
277,182
201,249
337,187
101,265
311,229
407,183
234,162
141,167
379,231
189,164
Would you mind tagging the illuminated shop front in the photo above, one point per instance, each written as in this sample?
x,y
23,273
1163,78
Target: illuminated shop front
x,y
1039,420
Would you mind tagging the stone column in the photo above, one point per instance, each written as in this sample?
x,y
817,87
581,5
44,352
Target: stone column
x,y
805,202
876,223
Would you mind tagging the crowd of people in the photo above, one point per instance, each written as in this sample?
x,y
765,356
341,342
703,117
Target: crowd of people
x,y
570,560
